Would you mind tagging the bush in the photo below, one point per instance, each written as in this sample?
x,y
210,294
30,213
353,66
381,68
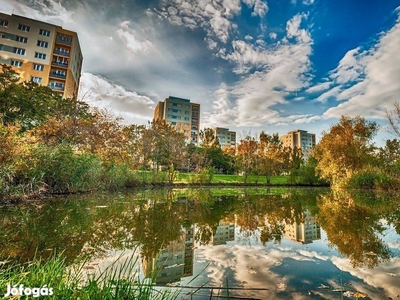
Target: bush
x,y
373,179
61,170
205,176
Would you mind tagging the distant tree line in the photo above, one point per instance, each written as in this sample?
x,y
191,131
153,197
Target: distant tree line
x,y
52,144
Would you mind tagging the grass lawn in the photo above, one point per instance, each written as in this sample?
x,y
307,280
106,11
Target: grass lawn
x,y
224,179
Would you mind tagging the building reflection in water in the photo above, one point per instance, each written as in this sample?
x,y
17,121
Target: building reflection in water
x,y
225,232
176,259
305,232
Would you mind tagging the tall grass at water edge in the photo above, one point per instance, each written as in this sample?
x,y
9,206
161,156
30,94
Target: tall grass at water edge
x,y
120,280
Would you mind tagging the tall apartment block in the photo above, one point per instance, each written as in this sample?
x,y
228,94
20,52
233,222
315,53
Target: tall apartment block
x,y
305,232
182,114
42,52
225,137
300,139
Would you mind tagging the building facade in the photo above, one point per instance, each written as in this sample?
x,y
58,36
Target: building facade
x,y
305,232
182,114
299,139
226,138
44,53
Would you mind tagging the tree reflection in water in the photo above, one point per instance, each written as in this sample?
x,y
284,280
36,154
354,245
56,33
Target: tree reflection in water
x,y
92,224
354,226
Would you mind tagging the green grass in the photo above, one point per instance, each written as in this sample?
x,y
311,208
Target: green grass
x,y
118,281
234,179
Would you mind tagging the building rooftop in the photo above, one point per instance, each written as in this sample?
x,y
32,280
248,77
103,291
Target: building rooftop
x,y
177,98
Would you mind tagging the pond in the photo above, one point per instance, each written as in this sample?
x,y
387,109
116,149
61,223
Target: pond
x,y
270,243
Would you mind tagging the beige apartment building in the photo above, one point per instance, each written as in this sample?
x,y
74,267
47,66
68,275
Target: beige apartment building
x,y
225,137
300,139
42,52
182,114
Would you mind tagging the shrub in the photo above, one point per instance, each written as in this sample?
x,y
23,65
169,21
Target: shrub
x,y
373,179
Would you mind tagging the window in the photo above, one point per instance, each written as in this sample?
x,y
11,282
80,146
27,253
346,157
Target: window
x,y
21,39
57,85
44,32
23,27
38,67
16,63
36,79
19,51
2,35
40,55
4,23
42,44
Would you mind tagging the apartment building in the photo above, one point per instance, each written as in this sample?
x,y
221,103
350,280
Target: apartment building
x,y
300,139
42,52
182,114
305,232
225,137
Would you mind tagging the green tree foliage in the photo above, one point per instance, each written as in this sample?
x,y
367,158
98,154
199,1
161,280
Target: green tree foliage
x,y
222,162
345,149
26,103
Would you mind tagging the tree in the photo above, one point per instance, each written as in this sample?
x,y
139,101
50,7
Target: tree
x,y
247,155
271,155
346,148
393,117
389,158
162,145
208,139
26,103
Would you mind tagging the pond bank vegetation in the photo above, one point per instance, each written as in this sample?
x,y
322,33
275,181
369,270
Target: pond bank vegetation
x,y
50,145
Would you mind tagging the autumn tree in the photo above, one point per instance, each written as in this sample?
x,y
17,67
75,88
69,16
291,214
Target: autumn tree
x,y
271,155
247,156
163,146
345,149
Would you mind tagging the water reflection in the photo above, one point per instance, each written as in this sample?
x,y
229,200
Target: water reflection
x,y
276,236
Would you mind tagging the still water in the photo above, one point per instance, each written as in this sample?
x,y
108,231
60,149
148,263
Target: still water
x,y
275,243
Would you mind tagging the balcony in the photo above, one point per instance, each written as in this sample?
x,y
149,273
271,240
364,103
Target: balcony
x,y
63,53
59,64
58,75
59,88
64,41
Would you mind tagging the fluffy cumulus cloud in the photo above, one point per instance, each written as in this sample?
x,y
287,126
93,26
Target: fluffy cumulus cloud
x,y
211,15
367,81
127,35
99,92
260,8
269,73
49,11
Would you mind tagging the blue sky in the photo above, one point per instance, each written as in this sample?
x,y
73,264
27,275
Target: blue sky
x,y
253,65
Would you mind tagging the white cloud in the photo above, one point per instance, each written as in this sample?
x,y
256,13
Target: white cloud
x,y
214,16
50,11
307,120
319,87
373,76
100,92
280,69
273,35
308,2
127,35
260,8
